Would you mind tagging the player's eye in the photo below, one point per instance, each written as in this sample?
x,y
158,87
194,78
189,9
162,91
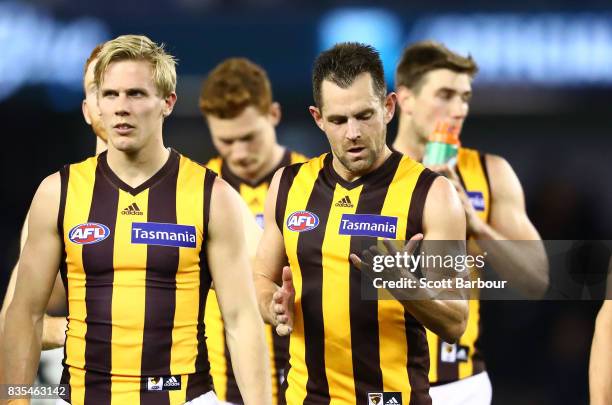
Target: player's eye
x,y
338,121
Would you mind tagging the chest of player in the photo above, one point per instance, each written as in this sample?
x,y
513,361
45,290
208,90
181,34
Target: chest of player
x,y
132,233
334,222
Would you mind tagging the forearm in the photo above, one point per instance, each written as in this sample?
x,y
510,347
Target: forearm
x,y
600,366
249,354
522,263
54,332
22,345
446,318
265,289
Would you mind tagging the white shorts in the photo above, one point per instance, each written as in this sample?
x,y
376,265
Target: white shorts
x,y
474,390
205,399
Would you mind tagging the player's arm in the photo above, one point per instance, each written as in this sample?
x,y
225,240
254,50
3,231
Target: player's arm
x,y
443,220
523,264
275,302
38,268
53,327
231,274
252,232
600,365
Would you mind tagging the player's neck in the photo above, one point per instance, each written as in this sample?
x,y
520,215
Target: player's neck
x,y
408,141
276,156
137,167
100,145
350,176
273,160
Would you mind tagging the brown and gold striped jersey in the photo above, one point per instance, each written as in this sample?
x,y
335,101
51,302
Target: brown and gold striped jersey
x,y
452,362
254,194
136,278
344,349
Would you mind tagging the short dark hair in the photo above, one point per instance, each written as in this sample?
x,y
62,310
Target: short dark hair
x,y
343,63
422,57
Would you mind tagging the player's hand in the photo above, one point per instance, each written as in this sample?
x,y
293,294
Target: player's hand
x,y
365,264
474,224
282,304
368,254
54,332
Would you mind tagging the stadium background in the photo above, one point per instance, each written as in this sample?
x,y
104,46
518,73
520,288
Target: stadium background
x,y
541,101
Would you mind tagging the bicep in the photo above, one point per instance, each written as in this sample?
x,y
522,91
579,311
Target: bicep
x,y
508,213
443,214
605,312
41,254
226,250
10,288
444,226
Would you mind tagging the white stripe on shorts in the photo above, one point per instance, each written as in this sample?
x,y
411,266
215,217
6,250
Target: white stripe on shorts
x,y
205,399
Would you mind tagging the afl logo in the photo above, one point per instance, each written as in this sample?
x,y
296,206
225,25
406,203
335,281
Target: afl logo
x,y
91,232
302,221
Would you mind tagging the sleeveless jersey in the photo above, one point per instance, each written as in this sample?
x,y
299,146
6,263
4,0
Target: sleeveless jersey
x,y
344,349
254,194
136,278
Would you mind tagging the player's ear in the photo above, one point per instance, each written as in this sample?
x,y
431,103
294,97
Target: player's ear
x,y
274,113
316,115
405,99
390,102
169,103
85,110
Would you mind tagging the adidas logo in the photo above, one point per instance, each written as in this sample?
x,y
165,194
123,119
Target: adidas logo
x,y
384,398
132,210
171,382
345,202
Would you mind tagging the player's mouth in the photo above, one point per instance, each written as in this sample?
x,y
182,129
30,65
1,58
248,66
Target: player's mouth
x,y
245,163
123,128
356,151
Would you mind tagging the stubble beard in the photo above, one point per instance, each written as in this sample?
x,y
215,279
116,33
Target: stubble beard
x,y
359,167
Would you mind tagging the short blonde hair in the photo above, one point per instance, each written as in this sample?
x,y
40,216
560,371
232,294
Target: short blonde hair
x,y
139,47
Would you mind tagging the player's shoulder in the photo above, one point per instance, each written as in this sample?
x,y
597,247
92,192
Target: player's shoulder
x,y
297,157
492,163
188,164
318,161
312,164
466,154
497,163
214,164
223,195
47,197
86,164
54,181
50,184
